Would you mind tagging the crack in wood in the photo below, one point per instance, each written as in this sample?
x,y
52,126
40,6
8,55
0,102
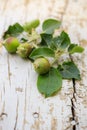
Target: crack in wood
x,y
73,100
73,112
3,107
16,120
9,74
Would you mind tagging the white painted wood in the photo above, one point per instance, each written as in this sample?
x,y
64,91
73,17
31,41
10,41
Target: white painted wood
x,y
22,107
75,23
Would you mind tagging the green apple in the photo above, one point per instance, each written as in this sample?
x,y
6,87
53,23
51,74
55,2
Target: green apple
x,y
11,44
41,65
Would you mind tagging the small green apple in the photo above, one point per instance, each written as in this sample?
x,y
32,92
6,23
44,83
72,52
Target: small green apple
x,y
41,65
11,44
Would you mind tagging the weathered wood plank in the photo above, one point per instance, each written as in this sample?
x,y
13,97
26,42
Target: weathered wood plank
x,y
75,22
53,109
10,100
22,107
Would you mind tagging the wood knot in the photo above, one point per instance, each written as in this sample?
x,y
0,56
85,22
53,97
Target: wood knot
x,y
2,115
36,115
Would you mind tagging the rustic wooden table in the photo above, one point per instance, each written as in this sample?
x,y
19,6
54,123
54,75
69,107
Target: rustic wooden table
x,y
22,107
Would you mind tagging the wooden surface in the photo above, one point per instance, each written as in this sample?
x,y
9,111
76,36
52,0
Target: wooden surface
x,y
22,107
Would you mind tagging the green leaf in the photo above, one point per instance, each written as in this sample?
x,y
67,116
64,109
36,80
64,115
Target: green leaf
x,y
41,52
50,25
49,83
46,39
13,30
69,70
61,41
74,48
28,26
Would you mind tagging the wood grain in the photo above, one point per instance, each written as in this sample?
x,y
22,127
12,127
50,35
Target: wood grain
x,y
22,107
